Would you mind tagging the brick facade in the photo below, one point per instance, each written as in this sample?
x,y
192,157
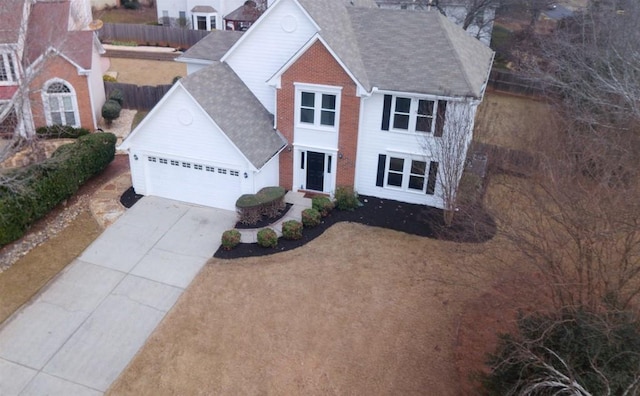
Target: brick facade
x,y
318,66
59,67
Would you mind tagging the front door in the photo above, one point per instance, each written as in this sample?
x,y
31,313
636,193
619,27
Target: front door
x,y
315,171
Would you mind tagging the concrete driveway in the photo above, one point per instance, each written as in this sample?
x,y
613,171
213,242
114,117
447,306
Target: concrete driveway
x,y
82,330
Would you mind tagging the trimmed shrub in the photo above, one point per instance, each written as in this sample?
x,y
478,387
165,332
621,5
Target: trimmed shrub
x,y
269,202
230,239
109,78
61,132
131,5
111,110
175,79
346,198
322,204
267,238
45,185
118,96
311,217
292,230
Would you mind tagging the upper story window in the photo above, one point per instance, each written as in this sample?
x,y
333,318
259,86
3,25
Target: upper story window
x,y
60,104
413,115
318,108
7,69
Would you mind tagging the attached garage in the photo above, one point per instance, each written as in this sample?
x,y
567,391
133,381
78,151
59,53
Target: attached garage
x,y
192,181
207,142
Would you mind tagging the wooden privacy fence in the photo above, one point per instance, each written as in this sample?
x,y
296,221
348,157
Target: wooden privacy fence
x,y
505,81
505,160
138,97
150,35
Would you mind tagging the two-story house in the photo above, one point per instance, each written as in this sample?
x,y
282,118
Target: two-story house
x,y
315,95
210,14
50,69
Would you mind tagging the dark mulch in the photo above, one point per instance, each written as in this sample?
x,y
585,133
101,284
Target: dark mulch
x,y
472,225
265,221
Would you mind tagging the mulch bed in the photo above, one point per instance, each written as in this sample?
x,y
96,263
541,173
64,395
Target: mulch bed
x,y
471,225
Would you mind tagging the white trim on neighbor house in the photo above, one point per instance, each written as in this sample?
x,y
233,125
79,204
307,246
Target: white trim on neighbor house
x,y
67,104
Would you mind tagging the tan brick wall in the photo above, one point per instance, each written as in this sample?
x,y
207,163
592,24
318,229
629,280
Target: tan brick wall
x,y
58,67
317,66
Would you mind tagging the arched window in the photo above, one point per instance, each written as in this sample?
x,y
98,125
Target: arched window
x,y
60,104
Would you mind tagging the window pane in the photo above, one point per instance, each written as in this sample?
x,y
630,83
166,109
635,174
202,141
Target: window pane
x,y
3,70
403,105
56,118
425,107
69,118
396,164
329,102
66,101
401,121
416,182
423,124
418,167
308,99
327,118
58,87
394,179
306,115
53,103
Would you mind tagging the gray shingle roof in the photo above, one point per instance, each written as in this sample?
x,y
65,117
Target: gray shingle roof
x,y
419,51
412,51
237,112
213,46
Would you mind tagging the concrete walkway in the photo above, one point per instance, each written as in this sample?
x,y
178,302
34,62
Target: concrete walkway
x,y
82,330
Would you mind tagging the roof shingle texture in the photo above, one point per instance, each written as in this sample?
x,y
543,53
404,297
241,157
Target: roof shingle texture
x,y
10,19
239,114
213,46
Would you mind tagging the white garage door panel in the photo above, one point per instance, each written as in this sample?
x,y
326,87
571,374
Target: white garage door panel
x,y
192,182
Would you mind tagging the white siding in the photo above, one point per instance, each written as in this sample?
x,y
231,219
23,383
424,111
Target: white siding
x,y
268,176
373,141
96,86
199,139
269,44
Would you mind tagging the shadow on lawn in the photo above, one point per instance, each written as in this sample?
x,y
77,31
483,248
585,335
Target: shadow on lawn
x,y
470,225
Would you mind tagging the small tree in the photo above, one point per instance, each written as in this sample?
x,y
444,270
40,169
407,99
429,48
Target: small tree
x,y
573,352
111,110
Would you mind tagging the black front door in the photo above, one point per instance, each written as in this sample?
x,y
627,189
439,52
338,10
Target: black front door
x,y
315,171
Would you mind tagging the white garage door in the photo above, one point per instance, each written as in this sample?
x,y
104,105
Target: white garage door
x,y
191,181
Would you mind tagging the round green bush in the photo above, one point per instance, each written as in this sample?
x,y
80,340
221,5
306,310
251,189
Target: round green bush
x,y
111,110
118,96
230,239
311,217
346,198
267,238
292,230
322,204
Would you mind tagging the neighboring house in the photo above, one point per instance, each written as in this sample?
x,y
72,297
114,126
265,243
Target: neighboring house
x,y
315,95
199,14
49,73
243,17
456,10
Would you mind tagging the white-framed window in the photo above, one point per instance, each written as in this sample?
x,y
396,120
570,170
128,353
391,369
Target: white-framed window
x,y
318,106
408,114
407,173
60,103
204,21
7,69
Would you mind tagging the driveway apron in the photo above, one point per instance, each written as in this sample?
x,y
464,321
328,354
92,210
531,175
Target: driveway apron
x,y
82,330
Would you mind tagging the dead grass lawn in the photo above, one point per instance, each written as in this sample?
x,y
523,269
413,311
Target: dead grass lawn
x,y
146,72
143,15
356,311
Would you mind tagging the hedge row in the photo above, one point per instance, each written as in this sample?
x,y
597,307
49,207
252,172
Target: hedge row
x,y
61,132
31,192
269,202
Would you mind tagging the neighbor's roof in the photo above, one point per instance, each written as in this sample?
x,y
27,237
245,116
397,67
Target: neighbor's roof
x,y
244,13
48,28
10,19
419,51
213,46
236,111
203,9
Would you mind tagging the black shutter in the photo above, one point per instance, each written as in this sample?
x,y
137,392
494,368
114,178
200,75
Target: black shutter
x,y
386,112
440,117
433,174
382,162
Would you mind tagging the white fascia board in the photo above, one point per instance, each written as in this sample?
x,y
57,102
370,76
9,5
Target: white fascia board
x,y
194,61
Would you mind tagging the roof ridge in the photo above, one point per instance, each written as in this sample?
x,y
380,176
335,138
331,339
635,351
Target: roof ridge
x,y
446,32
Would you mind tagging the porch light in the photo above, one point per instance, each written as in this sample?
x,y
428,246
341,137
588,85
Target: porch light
x,y
246,175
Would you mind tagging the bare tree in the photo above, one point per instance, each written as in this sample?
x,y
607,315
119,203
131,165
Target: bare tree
x,y
448,146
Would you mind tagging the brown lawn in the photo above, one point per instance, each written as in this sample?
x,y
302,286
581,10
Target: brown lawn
x,y
146,72
360,310
143,15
